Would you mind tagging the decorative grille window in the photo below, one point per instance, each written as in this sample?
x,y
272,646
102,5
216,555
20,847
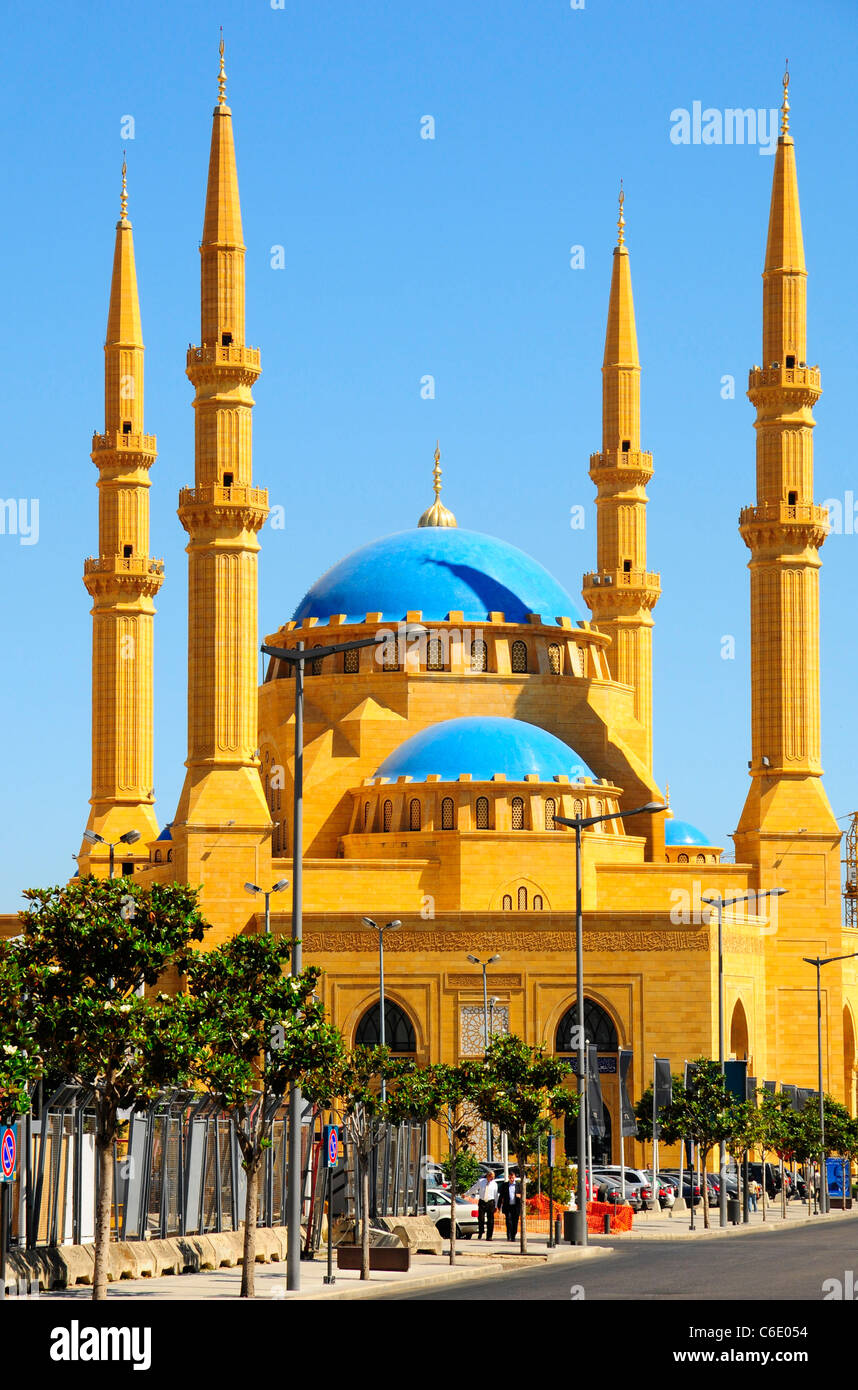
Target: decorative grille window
x,y
519,656
351,662
507,902
315,664
554,658
537,903
448,814
577,809
414,815
522,899
434,654
391,655
367,815
482,815
387,815
517,813
550,813
479,655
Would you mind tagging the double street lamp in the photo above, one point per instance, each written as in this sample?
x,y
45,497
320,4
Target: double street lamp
x,y
129,838
579,823
276,888
388,926
713,900
819,961
484,965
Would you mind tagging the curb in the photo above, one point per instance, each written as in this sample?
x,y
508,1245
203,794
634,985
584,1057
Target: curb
x,y
767,1227
459,1276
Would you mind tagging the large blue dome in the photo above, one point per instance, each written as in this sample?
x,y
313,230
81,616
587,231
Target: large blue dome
x,y
483,746
680,832
437,570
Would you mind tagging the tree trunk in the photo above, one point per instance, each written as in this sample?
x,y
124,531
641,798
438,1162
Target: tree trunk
x,y
783,1191
364,1215
522,1197
704,1159
104,1150
808,1178
453,1177
251,1213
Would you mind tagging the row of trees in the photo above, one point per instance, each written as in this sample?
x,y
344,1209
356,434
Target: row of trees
x,y
106,986
708,1115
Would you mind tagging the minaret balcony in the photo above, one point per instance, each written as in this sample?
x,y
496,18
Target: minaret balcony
x,y
774,521
213,505
122,564
245,360
799,385
121,578
612,588
630,465
124,443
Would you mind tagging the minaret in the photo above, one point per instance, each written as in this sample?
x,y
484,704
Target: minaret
x,y
437,514
122,581
222,802
621,594
783,533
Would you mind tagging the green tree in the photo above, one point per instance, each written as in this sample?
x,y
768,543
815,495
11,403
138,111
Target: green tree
x,y
775,1112
21,1063
444,1094
520,1089
258,1030
463,1168
89,952
707,1114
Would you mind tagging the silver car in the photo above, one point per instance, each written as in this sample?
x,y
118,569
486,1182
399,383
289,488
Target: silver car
x,y
439,1207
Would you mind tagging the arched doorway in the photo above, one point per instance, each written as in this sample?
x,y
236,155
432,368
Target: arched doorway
x,y
849,1059
601,1033
399,1033
739,1032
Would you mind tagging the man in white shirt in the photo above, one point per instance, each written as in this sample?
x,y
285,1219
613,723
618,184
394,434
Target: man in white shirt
x,y
487,1197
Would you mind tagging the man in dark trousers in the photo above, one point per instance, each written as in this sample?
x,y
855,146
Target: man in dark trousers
x,y
487,1196
510,1203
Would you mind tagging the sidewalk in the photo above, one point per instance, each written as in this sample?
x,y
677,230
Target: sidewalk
x,y
663,1225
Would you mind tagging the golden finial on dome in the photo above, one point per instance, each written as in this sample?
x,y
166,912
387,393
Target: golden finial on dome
x,y
123,200
437,514
621,236
221,80
785,107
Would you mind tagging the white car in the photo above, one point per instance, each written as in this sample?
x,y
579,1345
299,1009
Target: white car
x,y
438,1208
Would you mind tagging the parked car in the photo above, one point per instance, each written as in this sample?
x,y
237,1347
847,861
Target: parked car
x,y
637,1194
672,1176
635,1177
439,1208
435,1176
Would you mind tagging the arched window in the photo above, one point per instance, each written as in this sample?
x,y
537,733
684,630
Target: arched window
x,y
507,902
157,856
482,813
387,816
434,654
351,662
398,1029
682,859
522,899
414,815
479,655
599,1029
169,856
367,815
537,902
701,859
550,813
554,658
577,808
315,664
519,656
517,813
391,655
448,814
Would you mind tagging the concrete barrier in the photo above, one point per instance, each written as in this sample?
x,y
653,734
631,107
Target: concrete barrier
x,y
419,1233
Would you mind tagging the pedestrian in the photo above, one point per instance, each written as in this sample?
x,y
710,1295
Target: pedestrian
x,y
510,1204
487,1198
753,1192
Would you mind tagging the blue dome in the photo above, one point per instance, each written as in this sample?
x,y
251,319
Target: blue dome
x,y
679,832
166,833
482,747
437,570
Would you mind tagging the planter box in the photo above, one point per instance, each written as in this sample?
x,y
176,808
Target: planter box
x,y
383,1257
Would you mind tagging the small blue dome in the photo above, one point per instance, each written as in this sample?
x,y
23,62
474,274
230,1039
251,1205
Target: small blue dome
x,y
166,833
680,832
437,570
483,747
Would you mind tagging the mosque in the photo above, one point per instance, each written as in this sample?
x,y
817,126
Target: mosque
x,y
437,763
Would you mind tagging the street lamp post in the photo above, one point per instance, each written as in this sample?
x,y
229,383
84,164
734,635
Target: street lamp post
x,y
388,926
277,888
579,823
129,838
297,657
484,965
720,903
819,961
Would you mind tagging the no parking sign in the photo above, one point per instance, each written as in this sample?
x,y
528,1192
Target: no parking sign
x,y
331,1146
8,1154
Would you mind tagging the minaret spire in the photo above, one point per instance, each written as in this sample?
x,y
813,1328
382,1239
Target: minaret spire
x,y
621,593
437,514
222,514
122,579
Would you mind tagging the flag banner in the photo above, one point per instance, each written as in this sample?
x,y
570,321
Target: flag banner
x,y
627,1111
735,1079
595,1105
791,1092
803,1094
663,1084
751,1088
690,1078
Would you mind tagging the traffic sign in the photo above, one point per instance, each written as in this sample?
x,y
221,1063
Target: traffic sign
x,y
8,1155
331,1146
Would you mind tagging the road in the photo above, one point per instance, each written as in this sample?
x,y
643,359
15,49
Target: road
x,y
788,1265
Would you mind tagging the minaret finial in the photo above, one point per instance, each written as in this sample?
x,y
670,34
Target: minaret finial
x,y
221,80
621,235
123,200
437,514
785,107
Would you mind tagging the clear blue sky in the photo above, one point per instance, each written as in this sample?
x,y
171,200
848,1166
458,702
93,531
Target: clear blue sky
x,y
406,257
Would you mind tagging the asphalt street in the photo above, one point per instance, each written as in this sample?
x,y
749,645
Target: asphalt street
x,y
779,1266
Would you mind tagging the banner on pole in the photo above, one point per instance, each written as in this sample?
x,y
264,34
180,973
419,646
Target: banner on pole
x,y
663,1085
735,1079
628,1121
595,1105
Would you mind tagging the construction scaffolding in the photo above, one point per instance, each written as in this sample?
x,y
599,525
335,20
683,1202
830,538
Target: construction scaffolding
x,y
850,874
